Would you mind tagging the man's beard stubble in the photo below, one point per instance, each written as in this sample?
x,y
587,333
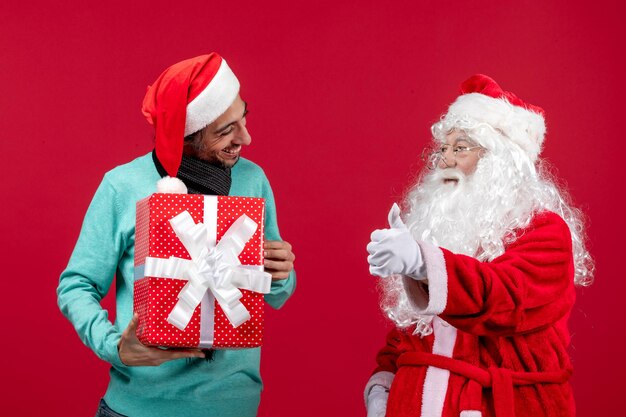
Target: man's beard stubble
x,y
201,151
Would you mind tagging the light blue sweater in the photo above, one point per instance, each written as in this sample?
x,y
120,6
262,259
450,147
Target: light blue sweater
x,y
228,386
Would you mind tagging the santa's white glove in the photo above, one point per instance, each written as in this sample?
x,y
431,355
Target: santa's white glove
x,y
394,251
377,401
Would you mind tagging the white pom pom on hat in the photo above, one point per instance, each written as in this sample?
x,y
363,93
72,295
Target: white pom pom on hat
x,y
483,100
171,185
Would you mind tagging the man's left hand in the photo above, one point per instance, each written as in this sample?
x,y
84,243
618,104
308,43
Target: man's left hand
x,y
278,259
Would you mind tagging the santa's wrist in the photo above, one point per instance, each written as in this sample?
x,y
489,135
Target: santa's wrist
x,y
418,272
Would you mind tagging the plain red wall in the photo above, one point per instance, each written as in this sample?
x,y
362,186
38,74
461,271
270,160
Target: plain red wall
x,y
341,97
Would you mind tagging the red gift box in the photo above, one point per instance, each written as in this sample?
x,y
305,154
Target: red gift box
x,y
155,297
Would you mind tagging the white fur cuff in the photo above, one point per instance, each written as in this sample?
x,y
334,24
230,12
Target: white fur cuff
x,y
434,302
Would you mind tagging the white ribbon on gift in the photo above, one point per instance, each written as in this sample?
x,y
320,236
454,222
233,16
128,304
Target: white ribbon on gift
x,y
213,273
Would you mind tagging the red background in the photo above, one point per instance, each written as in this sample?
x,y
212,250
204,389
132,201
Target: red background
x,y
341,97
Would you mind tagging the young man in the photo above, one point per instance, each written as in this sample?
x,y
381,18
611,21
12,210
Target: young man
x,y
200,130
479,273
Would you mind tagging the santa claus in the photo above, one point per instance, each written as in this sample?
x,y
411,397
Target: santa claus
x,y
479,271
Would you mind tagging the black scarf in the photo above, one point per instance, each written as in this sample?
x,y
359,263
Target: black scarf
x,y
199,176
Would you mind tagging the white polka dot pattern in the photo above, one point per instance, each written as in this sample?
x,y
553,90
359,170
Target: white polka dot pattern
x,y
154,298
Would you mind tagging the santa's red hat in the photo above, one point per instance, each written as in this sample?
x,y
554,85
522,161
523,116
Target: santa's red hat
x,y
185,98
483,101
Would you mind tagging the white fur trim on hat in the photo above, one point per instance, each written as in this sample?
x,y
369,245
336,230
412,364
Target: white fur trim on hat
x,y
213,101
524,127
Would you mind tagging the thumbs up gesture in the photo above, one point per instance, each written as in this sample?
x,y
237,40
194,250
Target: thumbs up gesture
x,y
393,251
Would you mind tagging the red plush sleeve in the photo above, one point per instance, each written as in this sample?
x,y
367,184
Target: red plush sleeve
x,y
387,356
526,288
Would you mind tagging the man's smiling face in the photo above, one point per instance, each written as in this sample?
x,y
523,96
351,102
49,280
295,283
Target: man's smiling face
x,y
221,141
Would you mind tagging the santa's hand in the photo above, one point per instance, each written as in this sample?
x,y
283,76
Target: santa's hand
x,y
394,251
377,401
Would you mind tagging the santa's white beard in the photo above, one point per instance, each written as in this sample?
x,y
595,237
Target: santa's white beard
x,y
473,216
480,215
442,211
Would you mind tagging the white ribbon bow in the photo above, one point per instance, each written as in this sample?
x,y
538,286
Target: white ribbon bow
x,y
215,269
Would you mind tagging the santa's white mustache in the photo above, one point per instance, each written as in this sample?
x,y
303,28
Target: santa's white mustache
x,y
440,175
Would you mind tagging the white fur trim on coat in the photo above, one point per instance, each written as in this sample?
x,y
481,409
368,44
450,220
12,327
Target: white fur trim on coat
x,y
471,413
436,380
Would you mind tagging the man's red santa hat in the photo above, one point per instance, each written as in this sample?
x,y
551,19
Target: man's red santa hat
x,y
185,98
484,101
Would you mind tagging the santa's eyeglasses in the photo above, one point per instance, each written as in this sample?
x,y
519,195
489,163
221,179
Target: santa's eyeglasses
x,y
432,157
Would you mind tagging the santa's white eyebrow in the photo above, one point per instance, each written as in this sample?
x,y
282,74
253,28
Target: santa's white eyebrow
x,y
463,139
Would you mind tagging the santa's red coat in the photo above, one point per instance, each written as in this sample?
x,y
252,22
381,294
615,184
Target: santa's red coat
x,y
499,346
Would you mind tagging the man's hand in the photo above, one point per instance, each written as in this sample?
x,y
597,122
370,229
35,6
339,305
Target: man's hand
x,y
134,353
278,259
394,251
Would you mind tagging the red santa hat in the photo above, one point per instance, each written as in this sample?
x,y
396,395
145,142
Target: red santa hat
x,y
185,98
484,101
